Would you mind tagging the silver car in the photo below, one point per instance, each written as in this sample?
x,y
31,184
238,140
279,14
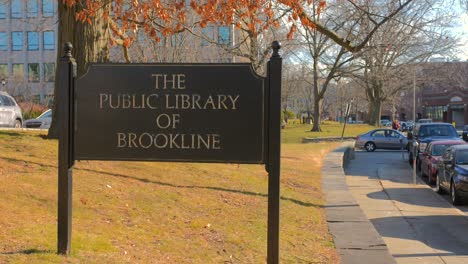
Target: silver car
x,y
381,139
10,112
42,122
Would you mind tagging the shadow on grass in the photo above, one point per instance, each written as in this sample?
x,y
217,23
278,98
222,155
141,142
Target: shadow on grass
x,y
27,252
10,133
298,202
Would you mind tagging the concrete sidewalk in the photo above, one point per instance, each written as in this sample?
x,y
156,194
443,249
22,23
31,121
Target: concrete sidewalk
x,y
354,236
417,225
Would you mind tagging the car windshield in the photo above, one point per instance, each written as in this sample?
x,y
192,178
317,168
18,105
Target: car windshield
x,y
438,150
438,131
462,157
46,114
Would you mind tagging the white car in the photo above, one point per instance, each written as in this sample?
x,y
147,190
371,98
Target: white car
x,y
42,122
10,112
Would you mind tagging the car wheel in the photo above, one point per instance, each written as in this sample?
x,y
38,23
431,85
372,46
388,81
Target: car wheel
x,y
17,124
369,146
454,197
438,188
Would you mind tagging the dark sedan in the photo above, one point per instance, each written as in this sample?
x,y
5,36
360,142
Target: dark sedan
x,y
465,133
381,139
431,156
453,173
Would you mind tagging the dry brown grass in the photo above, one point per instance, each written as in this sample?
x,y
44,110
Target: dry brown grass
x,y
156,212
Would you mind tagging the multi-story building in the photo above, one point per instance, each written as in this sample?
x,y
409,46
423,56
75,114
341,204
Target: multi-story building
x,y
28,48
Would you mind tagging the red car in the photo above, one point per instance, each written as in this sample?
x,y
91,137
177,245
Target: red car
x,y
431,156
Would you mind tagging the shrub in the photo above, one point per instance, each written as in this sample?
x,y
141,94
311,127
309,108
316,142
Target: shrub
x,y
31,110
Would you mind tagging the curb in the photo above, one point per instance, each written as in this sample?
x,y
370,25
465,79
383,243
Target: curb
x,y
354,236
320,139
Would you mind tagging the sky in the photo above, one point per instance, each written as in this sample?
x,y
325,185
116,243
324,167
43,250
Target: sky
x,y
464,32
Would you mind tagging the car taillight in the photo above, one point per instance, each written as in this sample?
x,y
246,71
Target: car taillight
x,y
357,137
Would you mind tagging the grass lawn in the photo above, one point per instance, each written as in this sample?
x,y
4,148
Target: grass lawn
x,y
156,212
294,132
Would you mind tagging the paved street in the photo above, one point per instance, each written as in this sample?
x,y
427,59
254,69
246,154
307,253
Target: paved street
x,y
417,224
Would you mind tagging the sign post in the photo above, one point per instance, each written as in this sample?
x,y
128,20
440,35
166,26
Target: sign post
x,y
274,151
216,113
67,74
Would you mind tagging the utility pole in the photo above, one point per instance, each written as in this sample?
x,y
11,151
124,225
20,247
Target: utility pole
x,y
415,146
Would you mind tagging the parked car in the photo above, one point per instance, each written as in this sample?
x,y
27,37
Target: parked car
x,y
452,173
406,126
381,139
43,121
423,133
465,133
424,120
385,122
431,156
10,112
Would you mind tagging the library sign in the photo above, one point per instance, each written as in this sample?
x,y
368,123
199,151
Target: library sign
x,y
222,113
198,113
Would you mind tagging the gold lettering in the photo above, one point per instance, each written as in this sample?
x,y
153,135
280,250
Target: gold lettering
x,y
209,101
106,97
185,98
118,102
201,140
121,140
131,140
135,104
167,102
196,98
216,141
181,81
156,76
221,101
126,103
140,140
164,137
233,101
173,140
148,101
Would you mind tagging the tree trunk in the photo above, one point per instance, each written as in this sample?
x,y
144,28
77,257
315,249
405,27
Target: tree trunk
x,y
375,110
90,44
317,112
317,97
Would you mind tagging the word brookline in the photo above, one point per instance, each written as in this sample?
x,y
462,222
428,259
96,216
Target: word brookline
x,y
169,101
169,141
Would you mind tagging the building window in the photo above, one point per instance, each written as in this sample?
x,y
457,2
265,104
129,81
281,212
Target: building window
x,y
3,71
33,72
224,35
3,8
33,40
32,9
17,40
207,33
49,40
47,8
18,71
3,41
16,9
436,113
49,72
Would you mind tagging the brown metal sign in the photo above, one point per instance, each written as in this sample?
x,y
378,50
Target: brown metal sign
x,y
174,112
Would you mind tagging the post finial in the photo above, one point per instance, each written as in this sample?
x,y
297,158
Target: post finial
x,y
276,46
67,48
